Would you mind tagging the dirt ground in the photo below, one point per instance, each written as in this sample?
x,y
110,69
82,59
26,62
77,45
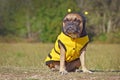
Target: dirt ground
x,y
38,74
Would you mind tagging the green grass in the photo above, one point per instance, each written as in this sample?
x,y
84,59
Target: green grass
x,y
98,56
23,54
25,61
103,56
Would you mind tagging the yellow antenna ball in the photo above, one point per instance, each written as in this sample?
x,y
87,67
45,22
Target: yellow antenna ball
x,y
69,10
86,13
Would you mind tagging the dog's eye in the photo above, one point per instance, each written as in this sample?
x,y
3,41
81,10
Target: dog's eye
x,y
75,19
65,20
77,22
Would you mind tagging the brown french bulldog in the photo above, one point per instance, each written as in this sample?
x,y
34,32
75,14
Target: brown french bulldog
x,y
70,46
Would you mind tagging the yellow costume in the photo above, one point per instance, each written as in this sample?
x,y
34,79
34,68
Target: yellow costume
x,y
71,46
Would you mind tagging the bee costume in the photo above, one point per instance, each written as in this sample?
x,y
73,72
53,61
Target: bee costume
x,y
72,48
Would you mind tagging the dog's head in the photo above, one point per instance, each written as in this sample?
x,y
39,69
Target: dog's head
x,y
74,25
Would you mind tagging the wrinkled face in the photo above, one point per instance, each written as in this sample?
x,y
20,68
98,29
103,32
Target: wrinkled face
x,y
73,25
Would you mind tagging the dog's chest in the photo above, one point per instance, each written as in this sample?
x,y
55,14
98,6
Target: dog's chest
x,y
72,46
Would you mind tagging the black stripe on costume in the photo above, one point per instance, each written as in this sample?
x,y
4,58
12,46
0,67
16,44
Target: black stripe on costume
x,y
49,56
56,51
50,62
59,42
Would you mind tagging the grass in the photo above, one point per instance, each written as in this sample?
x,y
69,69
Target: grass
x,y
103,56
23,54
23,60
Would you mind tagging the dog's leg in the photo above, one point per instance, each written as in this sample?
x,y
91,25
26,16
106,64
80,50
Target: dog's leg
x,y
62,61
82,59
73,65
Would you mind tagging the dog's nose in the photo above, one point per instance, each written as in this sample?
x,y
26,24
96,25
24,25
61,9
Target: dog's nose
x,y
70,26
70,30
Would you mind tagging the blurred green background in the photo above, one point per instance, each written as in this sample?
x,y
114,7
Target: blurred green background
x,y
41,20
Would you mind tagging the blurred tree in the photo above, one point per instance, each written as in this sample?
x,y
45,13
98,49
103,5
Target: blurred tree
x,y
6,18
41,20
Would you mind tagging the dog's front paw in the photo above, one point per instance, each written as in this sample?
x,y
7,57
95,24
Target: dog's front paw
x,y
86,71
63,72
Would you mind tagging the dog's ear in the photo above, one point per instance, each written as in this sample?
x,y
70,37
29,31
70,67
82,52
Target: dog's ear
x,y
83,18
83,33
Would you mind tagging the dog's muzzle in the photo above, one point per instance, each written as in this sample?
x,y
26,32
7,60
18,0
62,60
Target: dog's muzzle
x,y
72,28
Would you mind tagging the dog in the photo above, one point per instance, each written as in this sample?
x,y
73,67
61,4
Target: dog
x,y
70,46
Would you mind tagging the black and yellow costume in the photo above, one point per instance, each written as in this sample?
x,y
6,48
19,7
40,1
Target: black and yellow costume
x,y
71,46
